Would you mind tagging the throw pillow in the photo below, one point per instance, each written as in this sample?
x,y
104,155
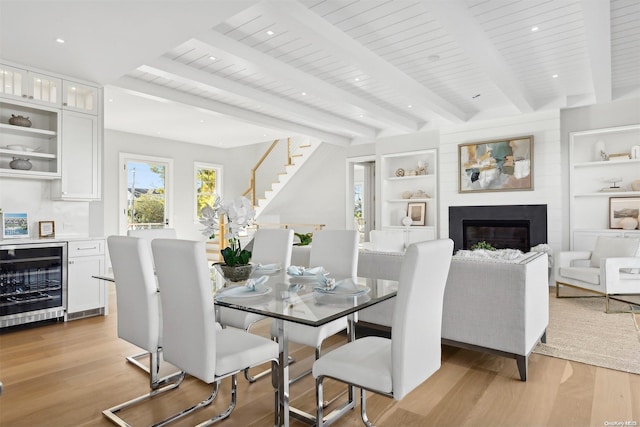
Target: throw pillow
x,y
610,247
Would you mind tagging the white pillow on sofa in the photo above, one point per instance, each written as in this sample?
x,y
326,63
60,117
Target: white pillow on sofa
x,y
612,247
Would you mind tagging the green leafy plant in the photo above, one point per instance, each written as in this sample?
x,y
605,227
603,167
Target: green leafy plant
x,y
234,255
483,245
305,238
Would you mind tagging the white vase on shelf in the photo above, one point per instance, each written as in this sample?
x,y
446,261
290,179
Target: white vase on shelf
x,y
599,151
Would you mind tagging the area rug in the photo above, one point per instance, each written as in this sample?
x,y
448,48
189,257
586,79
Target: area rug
x,y
580,330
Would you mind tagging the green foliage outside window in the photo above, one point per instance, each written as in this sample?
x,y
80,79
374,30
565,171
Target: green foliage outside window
x,y
205,188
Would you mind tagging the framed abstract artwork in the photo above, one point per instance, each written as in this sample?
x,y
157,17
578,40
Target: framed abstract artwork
x,y
498,165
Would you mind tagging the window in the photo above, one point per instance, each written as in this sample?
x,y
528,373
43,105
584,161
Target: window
x,y
145,200
207,185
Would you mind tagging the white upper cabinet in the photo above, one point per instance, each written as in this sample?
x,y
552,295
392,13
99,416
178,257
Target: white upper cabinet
x,y
38,88
79,97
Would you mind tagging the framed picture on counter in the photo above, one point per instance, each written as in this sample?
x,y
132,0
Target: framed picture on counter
x,y
46,229
15,226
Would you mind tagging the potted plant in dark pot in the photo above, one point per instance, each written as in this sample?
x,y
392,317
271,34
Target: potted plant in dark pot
x,y
240,214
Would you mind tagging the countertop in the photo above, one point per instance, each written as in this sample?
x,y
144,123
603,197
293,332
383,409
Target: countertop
x,y
5,242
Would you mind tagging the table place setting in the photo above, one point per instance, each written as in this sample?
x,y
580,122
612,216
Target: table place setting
x,y
252,288
267,268
307,273
346,287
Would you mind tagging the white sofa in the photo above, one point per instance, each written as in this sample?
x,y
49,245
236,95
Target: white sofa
x,y
497,306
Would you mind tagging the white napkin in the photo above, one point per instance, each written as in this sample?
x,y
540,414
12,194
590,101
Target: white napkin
x,y
328,284
296,270
252,283
273,266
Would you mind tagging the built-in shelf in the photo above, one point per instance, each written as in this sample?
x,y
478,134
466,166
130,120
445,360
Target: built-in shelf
x,y
27,154
29,131
589,175
410,200
420,169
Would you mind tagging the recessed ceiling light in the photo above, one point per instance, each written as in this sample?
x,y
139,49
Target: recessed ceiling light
x,y
110,99
213,58
304,94
357,79
534,29
201,121
270,33
73,88
409,106
59,40
555,76
361,115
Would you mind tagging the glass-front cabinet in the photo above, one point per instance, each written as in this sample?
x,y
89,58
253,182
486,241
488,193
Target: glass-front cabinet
x,y
79,97
35,87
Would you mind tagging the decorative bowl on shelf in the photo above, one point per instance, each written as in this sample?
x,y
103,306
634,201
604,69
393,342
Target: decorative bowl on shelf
x,y
20,121
20,164
17,147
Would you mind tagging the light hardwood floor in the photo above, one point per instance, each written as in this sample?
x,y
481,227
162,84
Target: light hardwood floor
x,y
65,374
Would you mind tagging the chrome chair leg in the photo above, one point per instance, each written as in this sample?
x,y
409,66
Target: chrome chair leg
x,y
363,408
133,359
111,412
253,379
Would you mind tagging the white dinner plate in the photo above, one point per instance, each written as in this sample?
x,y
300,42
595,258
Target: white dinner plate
x,y
244,292
355,289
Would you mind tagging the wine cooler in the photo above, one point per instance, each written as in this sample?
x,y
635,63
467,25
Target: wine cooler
x,y
33,282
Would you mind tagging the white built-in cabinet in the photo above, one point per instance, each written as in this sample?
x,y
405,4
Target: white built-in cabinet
x,y
592,177
86,295
80,159
79,97
26,85
64,140
402,183
42,140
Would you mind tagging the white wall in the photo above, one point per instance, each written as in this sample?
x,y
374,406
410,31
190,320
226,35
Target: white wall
x,y
317,194
33,197
547,164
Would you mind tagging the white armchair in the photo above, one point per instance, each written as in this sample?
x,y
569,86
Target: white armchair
x,y
611,269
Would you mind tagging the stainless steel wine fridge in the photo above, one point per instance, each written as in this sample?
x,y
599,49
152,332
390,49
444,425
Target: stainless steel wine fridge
x,y
33,282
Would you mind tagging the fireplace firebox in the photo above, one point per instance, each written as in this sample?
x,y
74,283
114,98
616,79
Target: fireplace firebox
x,y
503,226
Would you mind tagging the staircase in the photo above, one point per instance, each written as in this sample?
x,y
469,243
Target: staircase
x,y
298,151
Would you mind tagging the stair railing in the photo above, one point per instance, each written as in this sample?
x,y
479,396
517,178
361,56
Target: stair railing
x,y
252,185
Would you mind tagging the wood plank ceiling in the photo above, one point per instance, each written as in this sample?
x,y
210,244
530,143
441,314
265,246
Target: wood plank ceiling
x,y
350,71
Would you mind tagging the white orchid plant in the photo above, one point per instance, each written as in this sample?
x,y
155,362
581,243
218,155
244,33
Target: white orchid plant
x,y
240,215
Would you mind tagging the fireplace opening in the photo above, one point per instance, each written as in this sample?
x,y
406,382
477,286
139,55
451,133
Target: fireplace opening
x,y
509,216
502,234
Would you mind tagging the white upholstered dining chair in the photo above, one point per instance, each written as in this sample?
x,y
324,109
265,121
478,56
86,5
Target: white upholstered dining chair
x,y
337,252
394,367
191,340
138,311
148,234
270,246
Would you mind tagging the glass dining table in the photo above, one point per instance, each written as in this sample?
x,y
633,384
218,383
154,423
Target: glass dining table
x,y
308,301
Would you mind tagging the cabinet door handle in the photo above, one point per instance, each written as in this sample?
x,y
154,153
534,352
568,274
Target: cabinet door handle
x,y
87,249
64,103
71,262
